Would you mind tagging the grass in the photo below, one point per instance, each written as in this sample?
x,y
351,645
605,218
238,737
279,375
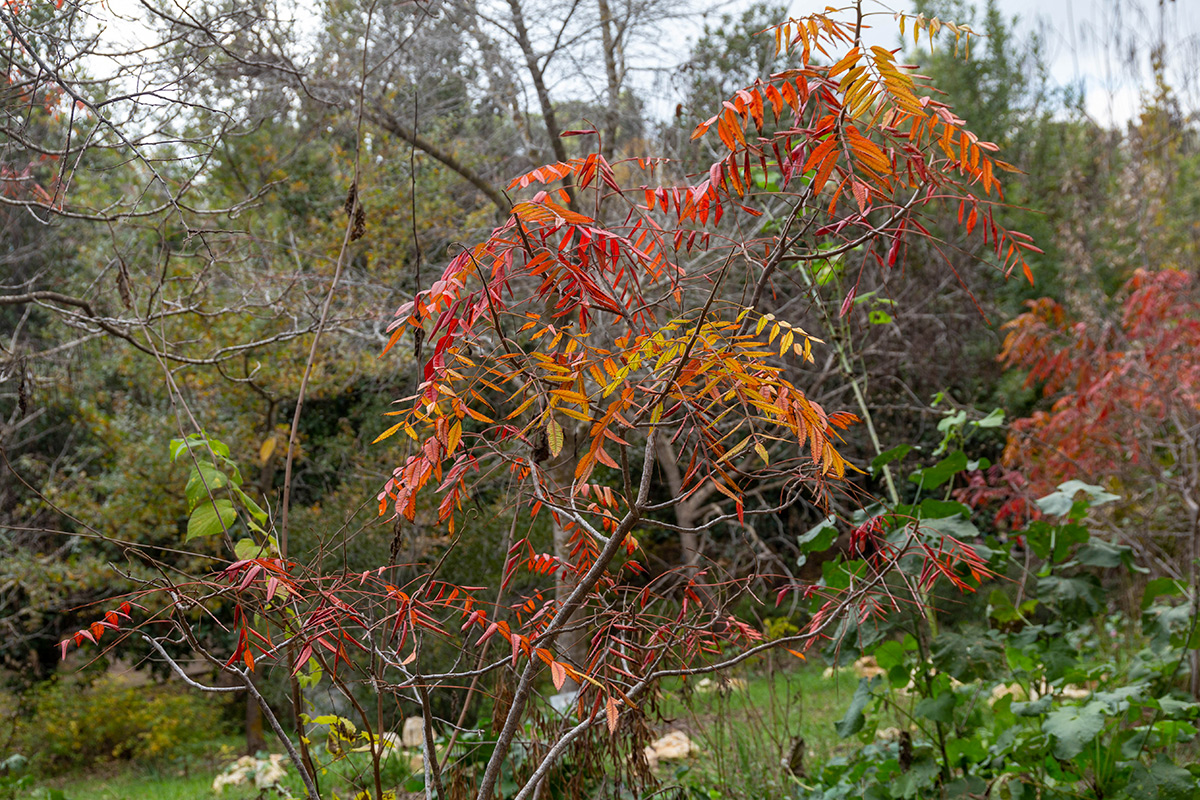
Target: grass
x,y
193,780
133,783
746,730
751,727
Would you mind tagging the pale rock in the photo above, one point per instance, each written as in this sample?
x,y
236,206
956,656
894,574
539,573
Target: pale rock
x,y
265,772
413,734
270,771
675,746
868,667
1013,690
708,685
389,745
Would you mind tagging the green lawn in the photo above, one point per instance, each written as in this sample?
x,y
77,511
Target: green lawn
x,y
743,731
751,727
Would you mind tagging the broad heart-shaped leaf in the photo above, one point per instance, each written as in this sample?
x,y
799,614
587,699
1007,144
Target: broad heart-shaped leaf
x,y
819,537
968,655
1062,502
853,720
1033,708
938,709
1083,589
1162,780
1074,727
889,654
962,529
1159,587
1055,541
210,518
1099,553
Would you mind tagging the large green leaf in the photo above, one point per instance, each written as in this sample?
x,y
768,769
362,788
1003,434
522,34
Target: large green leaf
x,y
992,420
203,482
819,537
210,518
1062,502
939,473
1099,553
200,444
1162,780
938,709
888,456
854,718
1074,727
1160,587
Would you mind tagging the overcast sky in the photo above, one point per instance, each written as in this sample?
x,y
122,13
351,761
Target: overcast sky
x,y
1088,44
1100,46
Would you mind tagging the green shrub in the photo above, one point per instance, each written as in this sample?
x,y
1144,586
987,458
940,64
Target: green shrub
x,y
75,724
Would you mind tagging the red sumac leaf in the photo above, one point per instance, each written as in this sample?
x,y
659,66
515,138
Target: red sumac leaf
x,y
848,302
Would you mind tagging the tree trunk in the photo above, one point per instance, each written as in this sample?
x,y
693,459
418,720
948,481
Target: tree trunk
x,y
256,740
610,46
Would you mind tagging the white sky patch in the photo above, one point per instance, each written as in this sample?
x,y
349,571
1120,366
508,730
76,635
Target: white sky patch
x,y
1098,47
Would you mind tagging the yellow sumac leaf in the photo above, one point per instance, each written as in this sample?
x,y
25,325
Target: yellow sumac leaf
x,y
454,437
762,452
733,451
378,438
554,436
521,408
785,343
578,398
848,61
